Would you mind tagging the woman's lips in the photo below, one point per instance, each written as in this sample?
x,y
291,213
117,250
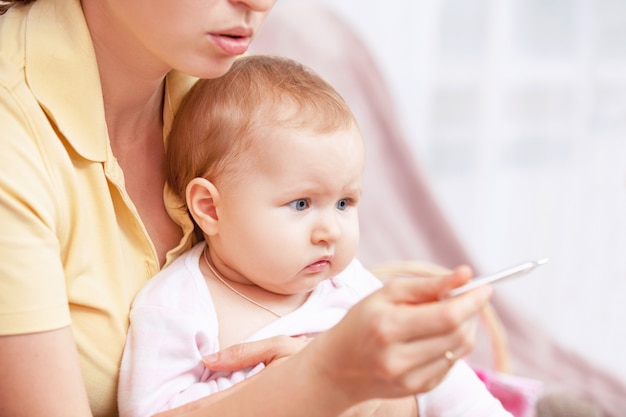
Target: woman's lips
x,y
231,45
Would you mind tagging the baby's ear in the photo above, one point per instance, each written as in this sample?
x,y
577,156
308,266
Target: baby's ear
x,y
202,201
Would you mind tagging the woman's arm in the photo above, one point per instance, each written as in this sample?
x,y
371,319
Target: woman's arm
x,y
41,376
394,342
391,344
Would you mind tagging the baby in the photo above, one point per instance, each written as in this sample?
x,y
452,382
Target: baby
x,y
269,161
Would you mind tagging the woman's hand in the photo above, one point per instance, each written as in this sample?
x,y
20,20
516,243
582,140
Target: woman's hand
x,y
395,342
391,344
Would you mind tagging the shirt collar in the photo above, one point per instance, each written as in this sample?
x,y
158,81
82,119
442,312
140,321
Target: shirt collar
x,y
62,72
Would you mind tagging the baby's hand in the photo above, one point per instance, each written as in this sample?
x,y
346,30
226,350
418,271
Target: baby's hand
x,y
244,355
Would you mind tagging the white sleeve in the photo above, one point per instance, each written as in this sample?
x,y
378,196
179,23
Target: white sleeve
x,y
161,367
460,394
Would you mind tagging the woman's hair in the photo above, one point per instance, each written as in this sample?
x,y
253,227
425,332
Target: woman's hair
x,y
220,119
7,4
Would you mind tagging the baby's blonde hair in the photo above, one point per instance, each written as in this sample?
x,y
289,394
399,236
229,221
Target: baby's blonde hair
x,y
220,119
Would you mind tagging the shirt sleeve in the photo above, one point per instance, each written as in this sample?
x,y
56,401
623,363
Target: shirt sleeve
x,y
170,331
460,394
32,212
161,363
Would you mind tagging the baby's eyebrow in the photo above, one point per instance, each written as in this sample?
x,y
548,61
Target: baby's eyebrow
x,y
356,188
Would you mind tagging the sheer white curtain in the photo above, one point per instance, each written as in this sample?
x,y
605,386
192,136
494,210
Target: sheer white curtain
x,y
517,111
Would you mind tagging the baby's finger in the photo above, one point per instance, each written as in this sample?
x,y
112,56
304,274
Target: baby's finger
x,y
244,355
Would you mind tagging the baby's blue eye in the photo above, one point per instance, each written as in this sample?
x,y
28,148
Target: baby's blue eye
x,y
299,205
342,204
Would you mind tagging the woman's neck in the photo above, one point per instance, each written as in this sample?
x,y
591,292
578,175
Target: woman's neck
x,y
132,80
133,88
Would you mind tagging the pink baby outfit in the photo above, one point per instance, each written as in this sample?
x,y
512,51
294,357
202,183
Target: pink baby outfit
x,y
174,324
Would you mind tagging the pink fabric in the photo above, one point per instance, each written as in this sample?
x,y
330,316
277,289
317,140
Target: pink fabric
x,y
518,395
457,396
399,216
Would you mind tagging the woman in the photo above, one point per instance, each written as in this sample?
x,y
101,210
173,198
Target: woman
x,y
87,93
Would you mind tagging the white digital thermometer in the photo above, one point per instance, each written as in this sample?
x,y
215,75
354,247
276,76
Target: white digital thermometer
x,y
512,272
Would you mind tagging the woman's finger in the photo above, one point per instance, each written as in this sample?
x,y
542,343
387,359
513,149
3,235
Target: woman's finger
x,y
427,376
248,354
406,322
448,348
449,314
417,290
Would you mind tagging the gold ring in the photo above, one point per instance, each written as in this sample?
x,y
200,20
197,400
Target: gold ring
x,y
449,355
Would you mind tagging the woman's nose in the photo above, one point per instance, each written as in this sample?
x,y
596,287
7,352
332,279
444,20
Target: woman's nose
x,y
257,5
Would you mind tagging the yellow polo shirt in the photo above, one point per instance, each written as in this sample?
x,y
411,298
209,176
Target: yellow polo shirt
x,y
73,249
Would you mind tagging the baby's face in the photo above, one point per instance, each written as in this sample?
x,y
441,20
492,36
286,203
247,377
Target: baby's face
x,y
291,221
